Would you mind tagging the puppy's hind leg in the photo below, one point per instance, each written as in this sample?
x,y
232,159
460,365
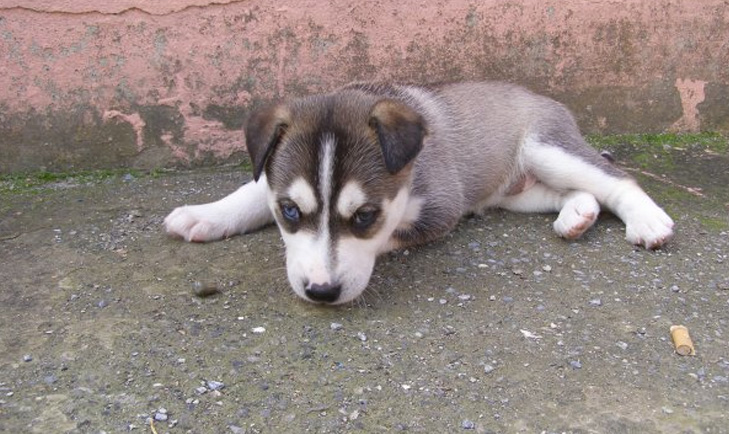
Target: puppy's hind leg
x,y
244,210
576,167
578,210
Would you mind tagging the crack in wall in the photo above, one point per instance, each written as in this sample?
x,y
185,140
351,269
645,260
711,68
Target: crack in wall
x,y
111,8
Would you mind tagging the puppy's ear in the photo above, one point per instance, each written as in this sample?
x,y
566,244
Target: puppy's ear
x,y
400,131
264,130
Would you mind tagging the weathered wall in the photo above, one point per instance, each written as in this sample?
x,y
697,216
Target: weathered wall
x,y
157,83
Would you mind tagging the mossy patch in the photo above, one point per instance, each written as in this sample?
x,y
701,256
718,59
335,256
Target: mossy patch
x,y
710,141
658,151
29,182
714,224
26,182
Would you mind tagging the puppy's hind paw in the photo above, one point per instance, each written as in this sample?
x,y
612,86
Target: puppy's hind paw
x,y
649,229
578,215
196,223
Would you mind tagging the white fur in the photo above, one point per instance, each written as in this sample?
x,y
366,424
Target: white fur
x,y
351,198
579,212
303,195
308,260
356,257
412,211
242,211
574,187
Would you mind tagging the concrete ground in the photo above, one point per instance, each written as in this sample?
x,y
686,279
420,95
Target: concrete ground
x,y
499,327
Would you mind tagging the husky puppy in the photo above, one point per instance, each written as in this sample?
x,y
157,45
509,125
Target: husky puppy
x,y
373,167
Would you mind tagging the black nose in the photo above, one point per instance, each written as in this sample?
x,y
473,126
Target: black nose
x,y
325,293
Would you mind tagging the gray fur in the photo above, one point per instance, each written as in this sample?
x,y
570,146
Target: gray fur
x,y
475,131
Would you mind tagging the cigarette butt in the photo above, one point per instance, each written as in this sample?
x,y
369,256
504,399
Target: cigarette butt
x,y
682,341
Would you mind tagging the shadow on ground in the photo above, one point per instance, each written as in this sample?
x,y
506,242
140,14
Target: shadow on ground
x,y
500,327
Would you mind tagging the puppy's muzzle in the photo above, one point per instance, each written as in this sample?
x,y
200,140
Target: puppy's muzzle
x,y
323,293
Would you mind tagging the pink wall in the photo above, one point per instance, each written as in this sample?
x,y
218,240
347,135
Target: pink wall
x,y
147,84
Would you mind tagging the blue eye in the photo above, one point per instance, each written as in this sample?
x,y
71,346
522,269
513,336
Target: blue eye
x,y
290,212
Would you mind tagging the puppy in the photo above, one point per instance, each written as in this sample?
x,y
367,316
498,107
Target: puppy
x,y
373,167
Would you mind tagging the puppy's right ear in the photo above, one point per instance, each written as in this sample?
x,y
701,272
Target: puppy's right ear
x,y
264,130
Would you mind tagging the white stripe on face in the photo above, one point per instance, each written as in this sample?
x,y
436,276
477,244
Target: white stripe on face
x,y
326,171
309,254
351,198
303,195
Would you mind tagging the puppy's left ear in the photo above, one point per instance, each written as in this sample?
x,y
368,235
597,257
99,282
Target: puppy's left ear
x,y
264,130
400,131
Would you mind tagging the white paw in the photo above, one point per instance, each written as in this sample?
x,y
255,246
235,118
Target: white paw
x,y
578,214
198,223
650,227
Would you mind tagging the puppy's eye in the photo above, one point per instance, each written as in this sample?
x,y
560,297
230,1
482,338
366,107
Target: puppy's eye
x,y
364,217
290,212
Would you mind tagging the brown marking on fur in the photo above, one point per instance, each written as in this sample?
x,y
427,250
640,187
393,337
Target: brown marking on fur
x,y
264,130
400,131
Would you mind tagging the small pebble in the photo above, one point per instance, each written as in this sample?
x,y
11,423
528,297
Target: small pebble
x,y
595,302
259,330
27,358
160,417
215,385
205,289
487,369
467,424
102,304
200,390
576,364
622,345
335,326
464,297
236,429
361,336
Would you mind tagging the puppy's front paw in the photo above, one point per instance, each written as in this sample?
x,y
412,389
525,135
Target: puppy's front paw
x,y
650,228
196,223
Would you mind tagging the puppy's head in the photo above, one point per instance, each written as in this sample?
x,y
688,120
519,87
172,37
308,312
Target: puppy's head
x,y
339,169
